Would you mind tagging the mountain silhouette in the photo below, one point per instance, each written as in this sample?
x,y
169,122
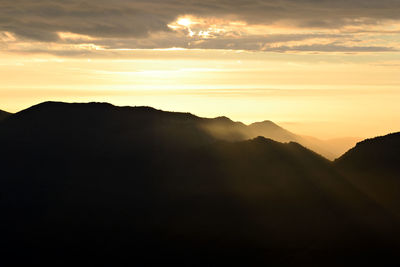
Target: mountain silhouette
x,y
225,129
373,165
3,115
101,184
374,155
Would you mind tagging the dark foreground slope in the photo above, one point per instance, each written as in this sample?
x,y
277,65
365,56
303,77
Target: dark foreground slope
x,y
3,115
373,166
98,184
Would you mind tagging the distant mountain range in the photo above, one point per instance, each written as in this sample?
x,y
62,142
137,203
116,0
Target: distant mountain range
x,y
223,128
99,184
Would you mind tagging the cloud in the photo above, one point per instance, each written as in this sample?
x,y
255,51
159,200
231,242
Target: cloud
x,y
146,23
332,48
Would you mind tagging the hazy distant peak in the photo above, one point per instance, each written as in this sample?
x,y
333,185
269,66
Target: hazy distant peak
x,y
269,125
265,122
271,130
223,119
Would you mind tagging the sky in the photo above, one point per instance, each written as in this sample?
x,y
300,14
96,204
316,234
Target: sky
x,y
317,67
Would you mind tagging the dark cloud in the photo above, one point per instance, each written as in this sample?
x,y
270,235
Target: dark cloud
x,y
136,20
39,19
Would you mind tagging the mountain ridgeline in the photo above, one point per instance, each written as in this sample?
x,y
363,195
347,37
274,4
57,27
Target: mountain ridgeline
x,y
3,115
101,184
373,166
222,128
225,129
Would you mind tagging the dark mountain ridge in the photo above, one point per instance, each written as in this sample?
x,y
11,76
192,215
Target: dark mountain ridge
x,y
379,151
4,114
373,166
225,129
104,184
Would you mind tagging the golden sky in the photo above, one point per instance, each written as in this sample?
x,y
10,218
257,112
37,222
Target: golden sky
x,y
327,69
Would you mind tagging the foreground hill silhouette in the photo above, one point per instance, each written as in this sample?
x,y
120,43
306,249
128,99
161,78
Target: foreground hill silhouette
x,y
373,166
101,184
3,115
